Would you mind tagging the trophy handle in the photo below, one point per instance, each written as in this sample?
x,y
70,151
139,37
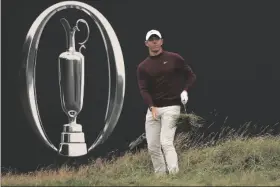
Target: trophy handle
x,y
115,62
88,32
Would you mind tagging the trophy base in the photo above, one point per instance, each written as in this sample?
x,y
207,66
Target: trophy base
x,y
72,149
72,141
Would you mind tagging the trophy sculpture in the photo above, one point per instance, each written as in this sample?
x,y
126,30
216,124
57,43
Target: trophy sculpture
x,y
71,79
71,83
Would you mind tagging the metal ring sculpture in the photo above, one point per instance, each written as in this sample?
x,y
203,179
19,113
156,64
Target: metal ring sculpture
x,y
114,57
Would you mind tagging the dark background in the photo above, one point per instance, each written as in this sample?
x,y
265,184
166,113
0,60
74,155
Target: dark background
x,y
232,46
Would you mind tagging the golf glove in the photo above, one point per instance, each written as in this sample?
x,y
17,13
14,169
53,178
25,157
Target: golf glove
x,y
184,97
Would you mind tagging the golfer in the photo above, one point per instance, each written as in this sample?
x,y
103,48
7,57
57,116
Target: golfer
x,y
164,79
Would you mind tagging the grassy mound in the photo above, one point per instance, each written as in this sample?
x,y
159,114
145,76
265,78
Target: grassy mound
x,y
238,161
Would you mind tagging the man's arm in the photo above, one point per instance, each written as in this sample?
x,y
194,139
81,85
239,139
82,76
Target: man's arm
x,y
188,72
143,86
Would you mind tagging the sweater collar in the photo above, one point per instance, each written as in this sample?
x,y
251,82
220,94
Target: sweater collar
x,y
158,55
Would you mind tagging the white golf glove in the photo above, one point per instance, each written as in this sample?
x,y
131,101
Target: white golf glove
x,y
184,97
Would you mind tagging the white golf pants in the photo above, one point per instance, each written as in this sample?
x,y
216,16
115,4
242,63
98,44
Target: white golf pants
x,y
160,136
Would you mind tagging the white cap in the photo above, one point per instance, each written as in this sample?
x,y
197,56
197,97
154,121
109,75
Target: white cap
x,y
153,32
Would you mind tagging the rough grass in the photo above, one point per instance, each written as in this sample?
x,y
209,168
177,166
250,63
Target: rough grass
x,y
231,160
254,161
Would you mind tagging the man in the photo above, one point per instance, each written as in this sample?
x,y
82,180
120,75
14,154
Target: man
x,y
164,79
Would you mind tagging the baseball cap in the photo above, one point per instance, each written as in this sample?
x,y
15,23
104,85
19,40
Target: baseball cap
x,y
153,32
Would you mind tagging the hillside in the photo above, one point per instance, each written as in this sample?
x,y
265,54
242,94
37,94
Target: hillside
x,y
238,161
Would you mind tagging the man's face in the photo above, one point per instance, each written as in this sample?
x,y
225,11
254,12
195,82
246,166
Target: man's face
x,y
154,43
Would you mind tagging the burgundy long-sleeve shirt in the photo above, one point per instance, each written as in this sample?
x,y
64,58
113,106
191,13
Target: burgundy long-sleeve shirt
x,y
162,78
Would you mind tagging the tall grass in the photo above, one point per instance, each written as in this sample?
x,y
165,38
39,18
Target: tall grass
x,y
230,157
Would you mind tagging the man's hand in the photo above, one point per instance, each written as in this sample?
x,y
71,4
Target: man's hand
x,y
184,97
154,112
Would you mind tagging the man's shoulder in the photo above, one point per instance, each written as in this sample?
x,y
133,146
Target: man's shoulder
x,y
143,63
174,55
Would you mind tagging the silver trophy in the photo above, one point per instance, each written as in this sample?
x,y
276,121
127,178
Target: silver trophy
x,y
71,79
71,84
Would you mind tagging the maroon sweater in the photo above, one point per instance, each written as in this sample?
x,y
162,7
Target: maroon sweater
x,y
162,78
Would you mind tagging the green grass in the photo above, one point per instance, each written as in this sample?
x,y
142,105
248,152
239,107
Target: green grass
x,y
226,158
253,161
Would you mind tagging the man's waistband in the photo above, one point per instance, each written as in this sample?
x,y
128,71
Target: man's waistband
x,y
163,103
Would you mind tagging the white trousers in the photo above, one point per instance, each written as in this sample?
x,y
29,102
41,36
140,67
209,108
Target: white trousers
x,y
160,137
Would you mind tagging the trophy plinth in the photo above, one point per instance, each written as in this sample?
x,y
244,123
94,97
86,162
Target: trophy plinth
x,y
72,149
72,141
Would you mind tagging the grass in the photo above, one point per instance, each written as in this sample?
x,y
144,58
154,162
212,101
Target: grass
x,y
234,160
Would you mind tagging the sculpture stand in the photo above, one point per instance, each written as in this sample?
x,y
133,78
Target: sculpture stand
x,y
72,141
